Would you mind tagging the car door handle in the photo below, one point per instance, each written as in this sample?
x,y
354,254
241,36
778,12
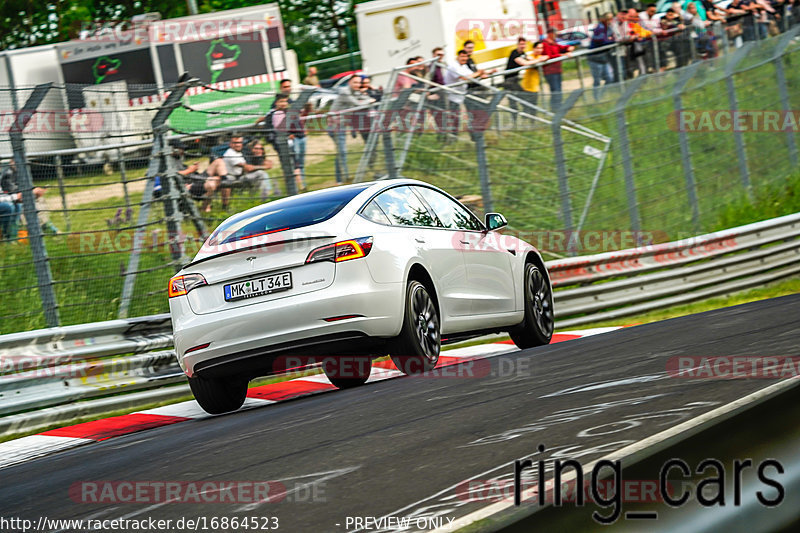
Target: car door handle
x,y
419,240
464,242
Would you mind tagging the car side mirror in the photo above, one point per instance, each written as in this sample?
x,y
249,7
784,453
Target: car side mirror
x,y
495,221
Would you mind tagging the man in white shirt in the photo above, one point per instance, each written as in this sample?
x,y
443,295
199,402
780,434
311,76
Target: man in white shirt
x,y
239,172
651,21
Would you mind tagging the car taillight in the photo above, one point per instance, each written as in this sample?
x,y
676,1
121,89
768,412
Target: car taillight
x,y
341,251
180,285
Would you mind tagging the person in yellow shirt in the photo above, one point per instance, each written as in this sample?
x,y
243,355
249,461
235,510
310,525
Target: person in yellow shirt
x,y
530,77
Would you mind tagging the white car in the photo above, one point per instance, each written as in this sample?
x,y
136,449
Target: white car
x,y
359,271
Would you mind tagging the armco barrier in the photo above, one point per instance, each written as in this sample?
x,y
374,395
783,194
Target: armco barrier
x,y
616,284
42,370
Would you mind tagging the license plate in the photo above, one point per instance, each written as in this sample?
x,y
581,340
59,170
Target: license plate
x,y
258,286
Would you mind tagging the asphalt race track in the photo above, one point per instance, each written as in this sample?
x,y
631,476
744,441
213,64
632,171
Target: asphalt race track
x,y
403,447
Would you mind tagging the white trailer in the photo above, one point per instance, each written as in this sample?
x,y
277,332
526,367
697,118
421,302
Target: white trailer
x,y
20,71
120,75
392,31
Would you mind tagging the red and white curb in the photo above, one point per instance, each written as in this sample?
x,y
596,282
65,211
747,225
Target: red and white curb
x,y
27,448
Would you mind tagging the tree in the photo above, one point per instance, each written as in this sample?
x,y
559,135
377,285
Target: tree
x,y
314,28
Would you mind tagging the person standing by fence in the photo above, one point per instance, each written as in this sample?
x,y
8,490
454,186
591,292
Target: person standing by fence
x,y
349,96
600,62
553,72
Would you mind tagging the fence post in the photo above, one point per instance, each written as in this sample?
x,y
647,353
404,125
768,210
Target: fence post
x,y
786,38
380,127
419,113
656,54
281,144
392,165
561,163
159,125
480,144
60,176
734,105
627,160
172,212
620,67
124,178
38,250
683,138
580,72
723,32
372,139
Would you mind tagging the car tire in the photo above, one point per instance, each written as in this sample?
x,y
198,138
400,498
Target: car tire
x,y
346,372
219,395
536,328
416,349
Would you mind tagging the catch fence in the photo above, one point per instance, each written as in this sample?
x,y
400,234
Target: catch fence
x,y
108,218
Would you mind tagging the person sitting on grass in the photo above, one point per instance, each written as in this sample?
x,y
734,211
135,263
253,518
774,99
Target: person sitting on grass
x,y
239,172
199,185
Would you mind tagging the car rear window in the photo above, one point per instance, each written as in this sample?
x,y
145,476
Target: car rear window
x,y
288,213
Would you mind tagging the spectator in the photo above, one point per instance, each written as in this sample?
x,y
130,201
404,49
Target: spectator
x,y
239,172
368,89
638,49
406,81
762,17
697,28
422,70
469,46
349,96
312,78
672,28
255,154
748,8
289,125
437,97
438,68
713,13
552,72
364,124
11,197
651,21
297,131
10,207
530,77
600,62
516,59
622,36
285,89
456,72
200,185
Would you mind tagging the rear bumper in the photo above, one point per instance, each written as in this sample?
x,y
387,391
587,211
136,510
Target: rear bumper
x,y
246,336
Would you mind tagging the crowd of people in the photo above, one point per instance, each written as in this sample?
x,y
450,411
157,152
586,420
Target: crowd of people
x,y
648,38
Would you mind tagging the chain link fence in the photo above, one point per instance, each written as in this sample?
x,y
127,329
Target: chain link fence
x,y
96,227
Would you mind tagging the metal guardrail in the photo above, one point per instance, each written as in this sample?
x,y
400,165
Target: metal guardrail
x,y
42,370
664,275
